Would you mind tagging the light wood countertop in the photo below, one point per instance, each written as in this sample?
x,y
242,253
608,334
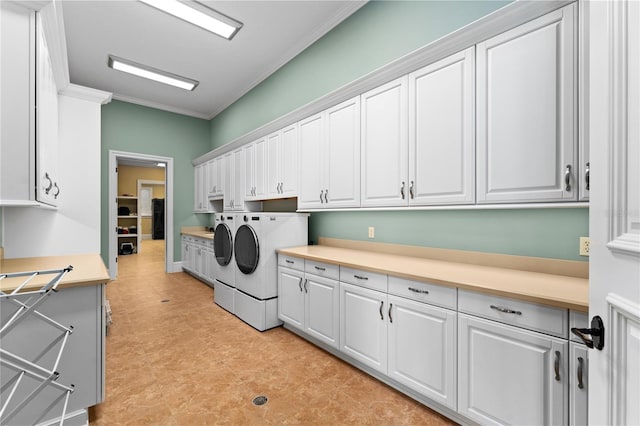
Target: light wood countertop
x,y
556,290
88,269
196,231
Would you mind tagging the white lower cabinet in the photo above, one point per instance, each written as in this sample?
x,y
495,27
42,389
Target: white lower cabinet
x,y
363,325
310,303
578,384
422,349
507,375
197,255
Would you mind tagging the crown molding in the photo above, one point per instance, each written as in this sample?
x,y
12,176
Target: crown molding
x,y
157,105
86,93
53,28
503,19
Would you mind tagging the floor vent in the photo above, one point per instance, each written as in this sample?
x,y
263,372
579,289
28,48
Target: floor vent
x,y
164,301
260,400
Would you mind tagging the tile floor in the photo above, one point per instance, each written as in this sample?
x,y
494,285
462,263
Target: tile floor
x,y
176,358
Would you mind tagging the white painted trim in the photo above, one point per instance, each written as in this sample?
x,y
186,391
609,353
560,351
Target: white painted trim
x,y
157,105
560,205
501,20
53,27
112,209
86,93
177,267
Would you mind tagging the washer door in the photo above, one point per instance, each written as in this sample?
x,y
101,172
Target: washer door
x,y
223,244
246,249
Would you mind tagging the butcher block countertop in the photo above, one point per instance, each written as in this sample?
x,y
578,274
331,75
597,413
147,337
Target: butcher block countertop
x,y
88,269
196,231
563,291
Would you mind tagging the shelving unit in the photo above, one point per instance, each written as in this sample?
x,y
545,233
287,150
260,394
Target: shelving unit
x,y
129,221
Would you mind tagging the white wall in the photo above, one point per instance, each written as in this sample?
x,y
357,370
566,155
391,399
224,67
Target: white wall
x,y
75,226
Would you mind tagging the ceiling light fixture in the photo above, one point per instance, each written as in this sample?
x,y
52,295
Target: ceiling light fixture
x,y
161,165
198,14
150,73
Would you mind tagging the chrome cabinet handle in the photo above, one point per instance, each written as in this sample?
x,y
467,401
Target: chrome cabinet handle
x,y
505,310
417,290
55,185
48,188
556,366
300,285
411,190
306,281
321,191
381,305
289,261
580,366
402,190
567,178
319,268
586,176
326,192
361,277
390,317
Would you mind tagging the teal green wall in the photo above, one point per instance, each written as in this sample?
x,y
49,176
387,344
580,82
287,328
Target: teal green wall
x,y
133,128
377,34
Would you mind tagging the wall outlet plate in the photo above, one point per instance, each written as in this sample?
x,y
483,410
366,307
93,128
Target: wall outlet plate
x,y
372,232
584,246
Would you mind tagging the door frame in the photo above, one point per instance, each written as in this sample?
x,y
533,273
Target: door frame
x,y
114,156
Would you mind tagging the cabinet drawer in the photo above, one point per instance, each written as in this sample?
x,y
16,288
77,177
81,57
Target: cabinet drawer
x,y
532,316
578,320
322,269
424,292
291,262
364,278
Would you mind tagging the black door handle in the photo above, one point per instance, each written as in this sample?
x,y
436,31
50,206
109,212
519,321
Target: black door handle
x,y
596,332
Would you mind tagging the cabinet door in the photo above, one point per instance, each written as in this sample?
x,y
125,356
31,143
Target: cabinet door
x,y
212,177
260,169
229,175
343,155
385,145
322,309
249,169
578,384
185,254
46,124
273,157
509,375
238,180
289,162
527,112
441,132
291,297
312,162
363,325
422,349
210,265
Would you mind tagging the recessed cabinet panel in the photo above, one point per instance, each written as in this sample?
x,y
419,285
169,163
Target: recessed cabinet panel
x,y
322,304
289,162
291,297
578,384
343,155
527,146
384,145
510,376
312,162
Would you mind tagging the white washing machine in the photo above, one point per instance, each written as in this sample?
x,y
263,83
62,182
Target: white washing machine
x,y
257,237
224,268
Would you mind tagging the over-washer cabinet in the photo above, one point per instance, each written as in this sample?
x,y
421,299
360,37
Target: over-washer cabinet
x,y
474,357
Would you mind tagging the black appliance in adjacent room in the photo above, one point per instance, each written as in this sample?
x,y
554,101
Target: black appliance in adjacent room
x,y
157,218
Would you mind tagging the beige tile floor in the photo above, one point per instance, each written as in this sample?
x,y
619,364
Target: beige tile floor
x,y
176,358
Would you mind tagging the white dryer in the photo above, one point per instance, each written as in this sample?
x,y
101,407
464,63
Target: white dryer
x,y
257,237
224,268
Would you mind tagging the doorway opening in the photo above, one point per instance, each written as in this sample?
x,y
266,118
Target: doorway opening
x,y
140,208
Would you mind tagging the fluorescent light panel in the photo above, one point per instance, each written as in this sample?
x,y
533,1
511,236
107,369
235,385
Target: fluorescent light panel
x,y
198,14
150,73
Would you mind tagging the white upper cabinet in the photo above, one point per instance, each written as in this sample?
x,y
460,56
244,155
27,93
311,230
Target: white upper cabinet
x,y
214,175
384,145
330,158
526,120
441,132
200,200
255,168
234,180
48,187
282,163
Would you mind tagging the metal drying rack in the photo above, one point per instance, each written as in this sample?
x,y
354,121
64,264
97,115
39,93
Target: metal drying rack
x,y
26,303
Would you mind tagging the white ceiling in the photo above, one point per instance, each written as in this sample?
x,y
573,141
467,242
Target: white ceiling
x,y
273,33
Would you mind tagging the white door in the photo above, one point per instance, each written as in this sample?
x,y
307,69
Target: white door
x,y
343,155
363,325
614,218
422,349
385,145
312,162
526,116
322,306
442,132
291,297
508,375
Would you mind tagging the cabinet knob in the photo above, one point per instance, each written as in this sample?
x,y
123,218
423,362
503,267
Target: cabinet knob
x,y
300,285
389,313
411,190
321,191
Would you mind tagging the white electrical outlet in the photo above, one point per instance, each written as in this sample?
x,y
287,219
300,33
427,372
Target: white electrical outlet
x,y
584,246
371,232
